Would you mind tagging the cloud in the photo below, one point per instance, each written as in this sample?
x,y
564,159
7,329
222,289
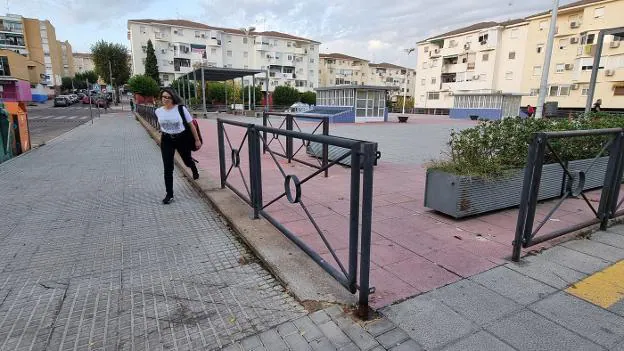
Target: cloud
x,y
365,28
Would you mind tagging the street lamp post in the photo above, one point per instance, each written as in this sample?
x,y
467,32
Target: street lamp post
x,y
539,109
408,51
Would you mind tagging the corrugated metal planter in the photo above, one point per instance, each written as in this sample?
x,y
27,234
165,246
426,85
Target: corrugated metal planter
x,y
461,196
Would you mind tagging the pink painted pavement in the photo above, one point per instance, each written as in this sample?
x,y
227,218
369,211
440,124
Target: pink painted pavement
x,y
414,249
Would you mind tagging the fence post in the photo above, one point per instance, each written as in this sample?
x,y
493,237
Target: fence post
x,y
367,213
325,146
612,181
354,215
221,141
265,115
255,170
289,139
530,189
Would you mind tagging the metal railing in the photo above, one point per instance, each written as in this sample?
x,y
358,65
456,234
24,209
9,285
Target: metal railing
x,y
573,184
361,152
149,114
289,122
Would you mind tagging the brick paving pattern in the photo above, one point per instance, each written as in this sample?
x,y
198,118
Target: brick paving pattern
x,y
91,259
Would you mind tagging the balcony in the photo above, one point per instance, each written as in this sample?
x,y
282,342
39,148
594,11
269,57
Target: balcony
x,y
213,42
586,50
161,36
434,53
262,46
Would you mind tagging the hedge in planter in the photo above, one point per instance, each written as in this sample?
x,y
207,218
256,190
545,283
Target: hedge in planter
x,y
482,170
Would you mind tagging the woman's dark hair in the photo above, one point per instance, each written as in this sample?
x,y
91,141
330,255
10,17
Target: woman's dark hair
x,y
175,98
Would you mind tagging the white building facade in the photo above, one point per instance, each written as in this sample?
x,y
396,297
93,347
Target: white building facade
x,y
180,45
485,58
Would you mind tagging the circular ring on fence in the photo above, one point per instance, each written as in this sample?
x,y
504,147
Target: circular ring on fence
x,y
289,196
576,183
235,158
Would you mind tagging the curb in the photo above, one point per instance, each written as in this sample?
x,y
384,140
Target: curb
x,y
301,276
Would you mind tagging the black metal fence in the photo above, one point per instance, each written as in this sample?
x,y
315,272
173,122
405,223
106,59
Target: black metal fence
x,y
572,185
149,114
361,153
289,122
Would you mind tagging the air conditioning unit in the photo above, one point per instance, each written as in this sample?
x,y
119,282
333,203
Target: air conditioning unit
x,y
203,36
609,72
476,77
574,87
484,42
436,51
163,51
467,46
569,66
574,40
614,44
574,24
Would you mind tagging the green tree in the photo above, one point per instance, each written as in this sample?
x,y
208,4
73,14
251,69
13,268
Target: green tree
x,y
151,64
82,78
285,96
144,85
66,83
182,87
309,97
111,59
255,90
215,93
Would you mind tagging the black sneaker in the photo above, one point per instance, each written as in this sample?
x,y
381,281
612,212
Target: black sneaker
x,y
195,173
168,199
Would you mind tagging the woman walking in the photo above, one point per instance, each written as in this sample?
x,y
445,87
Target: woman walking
x,y
175,136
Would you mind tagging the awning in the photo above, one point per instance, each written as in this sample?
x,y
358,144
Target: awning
x,y
218,74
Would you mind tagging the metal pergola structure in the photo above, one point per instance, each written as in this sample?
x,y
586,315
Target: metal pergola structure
x,y
218,74
618,32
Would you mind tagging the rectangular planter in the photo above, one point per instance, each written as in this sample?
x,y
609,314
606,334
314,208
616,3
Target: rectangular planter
x,y
463,196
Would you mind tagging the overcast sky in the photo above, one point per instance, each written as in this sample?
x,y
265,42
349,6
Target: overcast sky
x,y
370,29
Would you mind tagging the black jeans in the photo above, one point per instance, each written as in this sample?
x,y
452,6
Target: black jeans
x,y
168,145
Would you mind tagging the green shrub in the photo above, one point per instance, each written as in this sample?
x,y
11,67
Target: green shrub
x,y
492,148
144,85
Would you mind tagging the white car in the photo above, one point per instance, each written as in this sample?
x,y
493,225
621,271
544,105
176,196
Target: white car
x,y
299,107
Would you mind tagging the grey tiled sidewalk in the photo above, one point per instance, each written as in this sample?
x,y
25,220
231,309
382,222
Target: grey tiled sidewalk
x,y
91,260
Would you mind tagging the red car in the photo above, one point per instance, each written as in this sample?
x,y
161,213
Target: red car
x,y
85,100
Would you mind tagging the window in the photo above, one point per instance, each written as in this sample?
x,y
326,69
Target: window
x,y
213,51
559,90
618,91
563,43
229,38
599,12
290,58
537,70
245,54
229,53
143,30
245,40
560,67
426,49
483,38
423,81
311,72
584,91
311,60
540,48
486,57
453,43
434,63
4,66
514,33
275,42
587,39
165,77
534,92
509,75
196,34
512,55
543,25
433,80
433,96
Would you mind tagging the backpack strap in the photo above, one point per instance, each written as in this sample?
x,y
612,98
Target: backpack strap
x,y
184,122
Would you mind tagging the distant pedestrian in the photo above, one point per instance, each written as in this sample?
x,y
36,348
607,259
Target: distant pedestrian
x,y
131,105
175,136
597,106
530,111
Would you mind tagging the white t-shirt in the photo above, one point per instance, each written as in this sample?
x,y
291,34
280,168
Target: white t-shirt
x,y
170,120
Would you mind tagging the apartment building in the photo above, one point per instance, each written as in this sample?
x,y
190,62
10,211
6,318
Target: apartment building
x,y
83,62
340,69
181,44
389,75
12,35
67,59
572,59
17,75
486,57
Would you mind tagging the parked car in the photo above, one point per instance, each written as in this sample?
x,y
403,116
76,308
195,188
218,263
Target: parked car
x,y
80,96
87,99
61,101
75,98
